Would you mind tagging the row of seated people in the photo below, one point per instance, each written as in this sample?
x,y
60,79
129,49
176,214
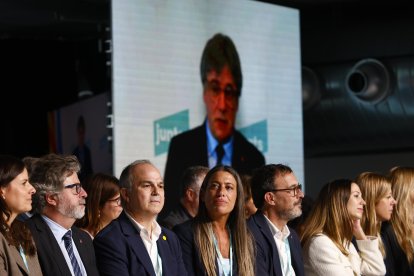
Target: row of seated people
x,y
355,227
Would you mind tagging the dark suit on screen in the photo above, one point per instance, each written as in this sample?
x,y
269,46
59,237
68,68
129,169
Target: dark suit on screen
x,y
190,149
51,258
267,260
121,251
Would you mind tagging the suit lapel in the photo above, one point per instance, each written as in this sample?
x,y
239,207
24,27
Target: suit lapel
x,y
19,260
264,228
164,252
135,240
202,146
49,244
295,255
83,253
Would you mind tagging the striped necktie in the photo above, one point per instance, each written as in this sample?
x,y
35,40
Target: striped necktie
x,y
67,238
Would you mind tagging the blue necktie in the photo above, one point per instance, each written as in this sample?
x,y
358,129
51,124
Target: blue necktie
x,y
220,153
67,238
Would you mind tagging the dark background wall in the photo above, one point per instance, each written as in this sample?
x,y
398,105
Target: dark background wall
x,y
50,50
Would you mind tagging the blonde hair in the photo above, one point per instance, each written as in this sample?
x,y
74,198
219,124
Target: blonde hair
x,y
330,215
373,187
242,240
402,181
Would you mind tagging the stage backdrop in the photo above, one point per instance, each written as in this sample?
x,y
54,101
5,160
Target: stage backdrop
x,y
157,90
63,134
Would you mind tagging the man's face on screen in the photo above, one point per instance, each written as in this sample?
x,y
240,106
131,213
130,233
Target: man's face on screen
x,y
221,99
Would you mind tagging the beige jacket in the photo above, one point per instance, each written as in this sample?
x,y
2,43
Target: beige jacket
x,y
322,257
12,264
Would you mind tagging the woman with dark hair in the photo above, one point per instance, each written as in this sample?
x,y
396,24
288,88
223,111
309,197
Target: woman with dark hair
x,y
103,203
216,241
17,250
330,228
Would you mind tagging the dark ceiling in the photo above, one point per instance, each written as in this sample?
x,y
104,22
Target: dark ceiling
x,y
56,46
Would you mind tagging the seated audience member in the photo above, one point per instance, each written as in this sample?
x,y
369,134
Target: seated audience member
x,y
17,250
398,235
376,190
330,228
278,195
134,243
249,207
103,203
189,189
63,249
216,241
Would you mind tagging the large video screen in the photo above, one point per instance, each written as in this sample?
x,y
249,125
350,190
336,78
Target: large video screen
x,y
157,89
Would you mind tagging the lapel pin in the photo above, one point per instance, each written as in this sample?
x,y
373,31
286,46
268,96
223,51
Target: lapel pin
x,y
164,237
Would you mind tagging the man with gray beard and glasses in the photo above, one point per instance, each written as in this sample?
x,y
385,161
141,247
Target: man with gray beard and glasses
x,y
62,248
278,196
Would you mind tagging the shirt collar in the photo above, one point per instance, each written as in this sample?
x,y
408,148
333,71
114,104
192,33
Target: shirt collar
x,y
57,230
212,142
156,228
281,235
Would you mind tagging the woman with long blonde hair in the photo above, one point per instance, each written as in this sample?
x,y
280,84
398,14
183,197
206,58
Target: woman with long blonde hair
x,y
398,235
376,190
330,227
216,241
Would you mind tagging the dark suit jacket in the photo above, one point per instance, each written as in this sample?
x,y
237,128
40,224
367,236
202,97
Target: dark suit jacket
x,y
51,257
396,261
191,255
176,216
190,149
267,260
121,251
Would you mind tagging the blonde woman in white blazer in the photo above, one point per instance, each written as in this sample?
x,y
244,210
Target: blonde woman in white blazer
x,y
329,230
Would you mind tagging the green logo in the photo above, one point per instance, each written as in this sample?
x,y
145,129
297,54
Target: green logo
x,y
257,135
166,128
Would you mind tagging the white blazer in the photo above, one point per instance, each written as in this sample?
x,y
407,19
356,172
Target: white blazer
x,y
322,257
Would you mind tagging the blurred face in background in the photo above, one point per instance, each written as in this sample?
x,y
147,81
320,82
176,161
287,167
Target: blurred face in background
x,y
385,206
111,209
221,100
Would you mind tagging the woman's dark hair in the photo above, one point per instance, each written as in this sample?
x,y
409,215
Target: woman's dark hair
x,y
17,234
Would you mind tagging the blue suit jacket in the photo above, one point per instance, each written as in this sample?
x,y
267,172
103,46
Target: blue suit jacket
x,y
121,251
267,259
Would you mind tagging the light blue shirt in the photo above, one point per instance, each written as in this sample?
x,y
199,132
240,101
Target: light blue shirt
x,y
59,231
211,149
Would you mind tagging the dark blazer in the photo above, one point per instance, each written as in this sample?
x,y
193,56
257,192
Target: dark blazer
x,y
267,259
51,257
191,255
396,261
121,251
176,216
190,149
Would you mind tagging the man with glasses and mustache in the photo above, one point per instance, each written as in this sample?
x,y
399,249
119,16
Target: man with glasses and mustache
x,y
278,196
216,141
62,248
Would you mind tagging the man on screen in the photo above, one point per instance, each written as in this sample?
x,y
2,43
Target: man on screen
x,y
216,141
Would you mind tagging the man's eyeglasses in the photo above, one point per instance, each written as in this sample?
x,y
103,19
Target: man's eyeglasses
x,y
116,200
77,186
230,93
295,190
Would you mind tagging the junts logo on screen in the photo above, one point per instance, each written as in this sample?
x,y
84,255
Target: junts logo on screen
x,y
167,127
257,135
